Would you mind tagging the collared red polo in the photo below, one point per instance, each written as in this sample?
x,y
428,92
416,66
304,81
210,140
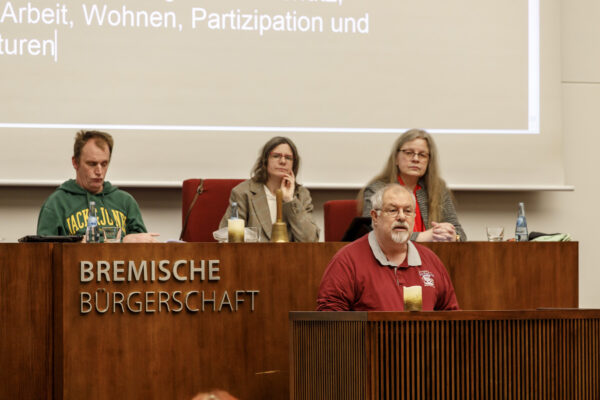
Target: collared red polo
x,y
360,278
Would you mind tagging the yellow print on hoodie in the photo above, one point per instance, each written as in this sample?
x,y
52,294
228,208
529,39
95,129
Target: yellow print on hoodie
x,y
78,220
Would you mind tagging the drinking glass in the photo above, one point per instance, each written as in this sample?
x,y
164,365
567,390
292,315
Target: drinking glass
x,y
495,233
252,235
112,234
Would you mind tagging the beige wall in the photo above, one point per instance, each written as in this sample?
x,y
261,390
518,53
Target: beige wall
x,y
573,212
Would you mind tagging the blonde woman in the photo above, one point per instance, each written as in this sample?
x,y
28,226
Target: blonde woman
x,y
413,163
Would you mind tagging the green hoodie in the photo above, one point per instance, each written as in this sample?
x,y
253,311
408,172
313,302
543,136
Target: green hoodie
x,y
65,212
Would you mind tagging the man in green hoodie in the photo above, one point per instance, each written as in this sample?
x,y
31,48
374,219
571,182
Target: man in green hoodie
x,y
65,212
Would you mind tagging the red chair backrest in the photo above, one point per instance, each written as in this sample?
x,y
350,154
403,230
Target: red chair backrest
x,y
209,208
338,215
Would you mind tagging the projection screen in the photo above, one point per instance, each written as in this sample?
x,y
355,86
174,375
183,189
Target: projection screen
x,y
193,88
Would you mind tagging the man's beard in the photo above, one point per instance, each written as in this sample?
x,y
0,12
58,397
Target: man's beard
x,y
400,237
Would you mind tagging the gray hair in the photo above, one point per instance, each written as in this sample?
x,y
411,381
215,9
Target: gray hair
x,y
377,198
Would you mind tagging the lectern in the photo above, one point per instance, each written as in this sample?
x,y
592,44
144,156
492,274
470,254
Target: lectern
x,y
545,354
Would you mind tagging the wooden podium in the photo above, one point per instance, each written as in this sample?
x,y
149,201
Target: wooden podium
x,y
51,349
549,354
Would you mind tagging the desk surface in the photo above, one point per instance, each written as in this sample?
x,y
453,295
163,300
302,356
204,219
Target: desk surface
x,y
156,354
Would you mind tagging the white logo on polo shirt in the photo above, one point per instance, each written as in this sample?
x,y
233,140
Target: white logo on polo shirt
x,y
427,278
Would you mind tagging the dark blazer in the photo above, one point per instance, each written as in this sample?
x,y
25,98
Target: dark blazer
x,y
254,209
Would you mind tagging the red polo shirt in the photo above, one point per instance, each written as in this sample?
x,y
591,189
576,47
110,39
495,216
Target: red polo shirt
x,y
360,278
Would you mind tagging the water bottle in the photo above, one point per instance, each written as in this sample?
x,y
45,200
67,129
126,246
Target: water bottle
x,y
92,232
521,233
234,210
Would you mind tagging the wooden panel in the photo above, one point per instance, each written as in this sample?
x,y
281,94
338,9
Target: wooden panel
x,y
25,321
165,355
512,276
457,355
341,348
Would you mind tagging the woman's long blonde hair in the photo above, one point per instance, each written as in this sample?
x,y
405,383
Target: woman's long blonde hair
x,y
434,184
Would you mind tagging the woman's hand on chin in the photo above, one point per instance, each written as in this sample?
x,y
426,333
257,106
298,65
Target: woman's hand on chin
x,y
288,184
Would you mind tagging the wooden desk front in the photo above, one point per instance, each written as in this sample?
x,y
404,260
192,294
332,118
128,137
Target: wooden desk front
x,y
547,354
157,355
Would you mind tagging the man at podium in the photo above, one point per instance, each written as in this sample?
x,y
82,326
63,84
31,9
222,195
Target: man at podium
x,y
384,270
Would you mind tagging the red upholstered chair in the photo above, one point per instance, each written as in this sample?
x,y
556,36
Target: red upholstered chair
x,y
210,206
338,215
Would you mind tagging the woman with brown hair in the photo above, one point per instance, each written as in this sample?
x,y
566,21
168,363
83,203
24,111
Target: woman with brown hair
x,y
413,163
276,168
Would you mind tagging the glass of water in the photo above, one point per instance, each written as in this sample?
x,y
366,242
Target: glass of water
x,y
112,234
252,234
495,233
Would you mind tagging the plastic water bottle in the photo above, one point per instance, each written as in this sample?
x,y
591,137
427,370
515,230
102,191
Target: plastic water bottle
x,y
521,233
92,233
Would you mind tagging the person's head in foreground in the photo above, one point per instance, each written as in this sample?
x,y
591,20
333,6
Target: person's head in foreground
x,y
214,395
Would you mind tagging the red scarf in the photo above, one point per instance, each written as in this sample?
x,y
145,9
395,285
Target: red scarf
x,y
419,225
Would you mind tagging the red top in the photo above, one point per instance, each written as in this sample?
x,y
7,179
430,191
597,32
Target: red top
x,y
419,225
356,281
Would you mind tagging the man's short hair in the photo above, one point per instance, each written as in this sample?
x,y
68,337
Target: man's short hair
x,y
100,138
377,198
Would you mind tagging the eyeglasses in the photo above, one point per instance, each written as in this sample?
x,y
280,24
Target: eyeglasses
x,y
410,154
395,212
277,156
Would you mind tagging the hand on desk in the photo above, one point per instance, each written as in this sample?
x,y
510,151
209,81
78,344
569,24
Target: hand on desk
x,y
141,238
443,232
440,232
136,238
